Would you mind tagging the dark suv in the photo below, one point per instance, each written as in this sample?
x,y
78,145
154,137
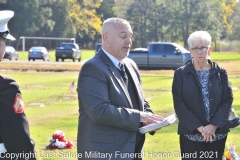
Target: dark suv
x,y
68,51
98,46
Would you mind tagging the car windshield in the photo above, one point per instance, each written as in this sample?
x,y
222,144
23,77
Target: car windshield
x,y
37,48
67,46
9,48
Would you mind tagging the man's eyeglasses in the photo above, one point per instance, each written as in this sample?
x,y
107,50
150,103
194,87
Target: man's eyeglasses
x,y
200,49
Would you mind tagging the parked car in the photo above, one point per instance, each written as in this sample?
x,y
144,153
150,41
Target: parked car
x,y
10,53
68,51
161,55
98,46
38,52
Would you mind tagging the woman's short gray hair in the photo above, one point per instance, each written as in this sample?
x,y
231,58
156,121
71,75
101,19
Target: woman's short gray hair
x,y
199,36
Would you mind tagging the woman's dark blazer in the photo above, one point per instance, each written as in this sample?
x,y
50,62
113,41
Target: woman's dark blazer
x,y
188,100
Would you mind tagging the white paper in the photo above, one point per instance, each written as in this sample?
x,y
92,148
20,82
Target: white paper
x,y
153,126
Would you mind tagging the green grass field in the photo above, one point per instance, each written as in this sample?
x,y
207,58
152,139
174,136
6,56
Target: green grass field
x,y
50,106
225,56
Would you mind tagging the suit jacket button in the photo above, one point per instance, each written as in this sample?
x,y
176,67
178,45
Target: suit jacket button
x,y
211,100
210,85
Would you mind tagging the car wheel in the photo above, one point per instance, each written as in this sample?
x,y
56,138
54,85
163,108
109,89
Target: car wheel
x,y
29,59
57,59
33,59
79,59
73,59
62,60
43,59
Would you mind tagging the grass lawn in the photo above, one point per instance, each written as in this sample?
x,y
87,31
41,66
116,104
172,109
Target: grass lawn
x,y
50,106
225,56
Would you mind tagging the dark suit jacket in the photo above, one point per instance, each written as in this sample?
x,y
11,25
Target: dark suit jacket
x,y
188,101
107,122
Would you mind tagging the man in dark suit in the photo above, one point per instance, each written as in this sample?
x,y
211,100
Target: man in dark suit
x,y
111,101
15,141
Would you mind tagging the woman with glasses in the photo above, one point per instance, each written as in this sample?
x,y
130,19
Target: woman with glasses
x,y
202,99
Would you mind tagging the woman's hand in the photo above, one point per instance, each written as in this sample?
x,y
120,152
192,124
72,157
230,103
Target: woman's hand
x,y
200,129
208,132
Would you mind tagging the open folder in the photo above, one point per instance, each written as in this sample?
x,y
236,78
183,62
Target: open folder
x,y
153,126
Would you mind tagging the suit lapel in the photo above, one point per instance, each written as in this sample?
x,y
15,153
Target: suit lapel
x,y
135,79
118,77
113,69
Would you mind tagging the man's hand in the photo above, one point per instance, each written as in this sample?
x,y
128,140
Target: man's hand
x,y
148,118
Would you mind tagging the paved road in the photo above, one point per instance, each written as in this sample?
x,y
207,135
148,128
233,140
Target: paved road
x,y
42,62
39,65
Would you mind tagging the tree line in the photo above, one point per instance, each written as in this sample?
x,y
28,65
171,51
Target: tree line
x,y
151,20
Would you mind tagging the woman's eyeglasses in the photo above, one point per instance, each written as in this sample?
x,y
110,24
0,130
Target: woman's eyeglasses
x,y
202,49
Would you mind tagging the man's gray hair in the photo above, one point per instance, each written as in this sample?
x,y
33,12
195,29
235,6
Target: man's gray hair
x,y
111,22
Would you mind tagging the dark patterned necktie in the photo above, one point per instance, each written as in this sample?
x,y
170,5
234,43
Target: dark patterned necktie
x,y
123,73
